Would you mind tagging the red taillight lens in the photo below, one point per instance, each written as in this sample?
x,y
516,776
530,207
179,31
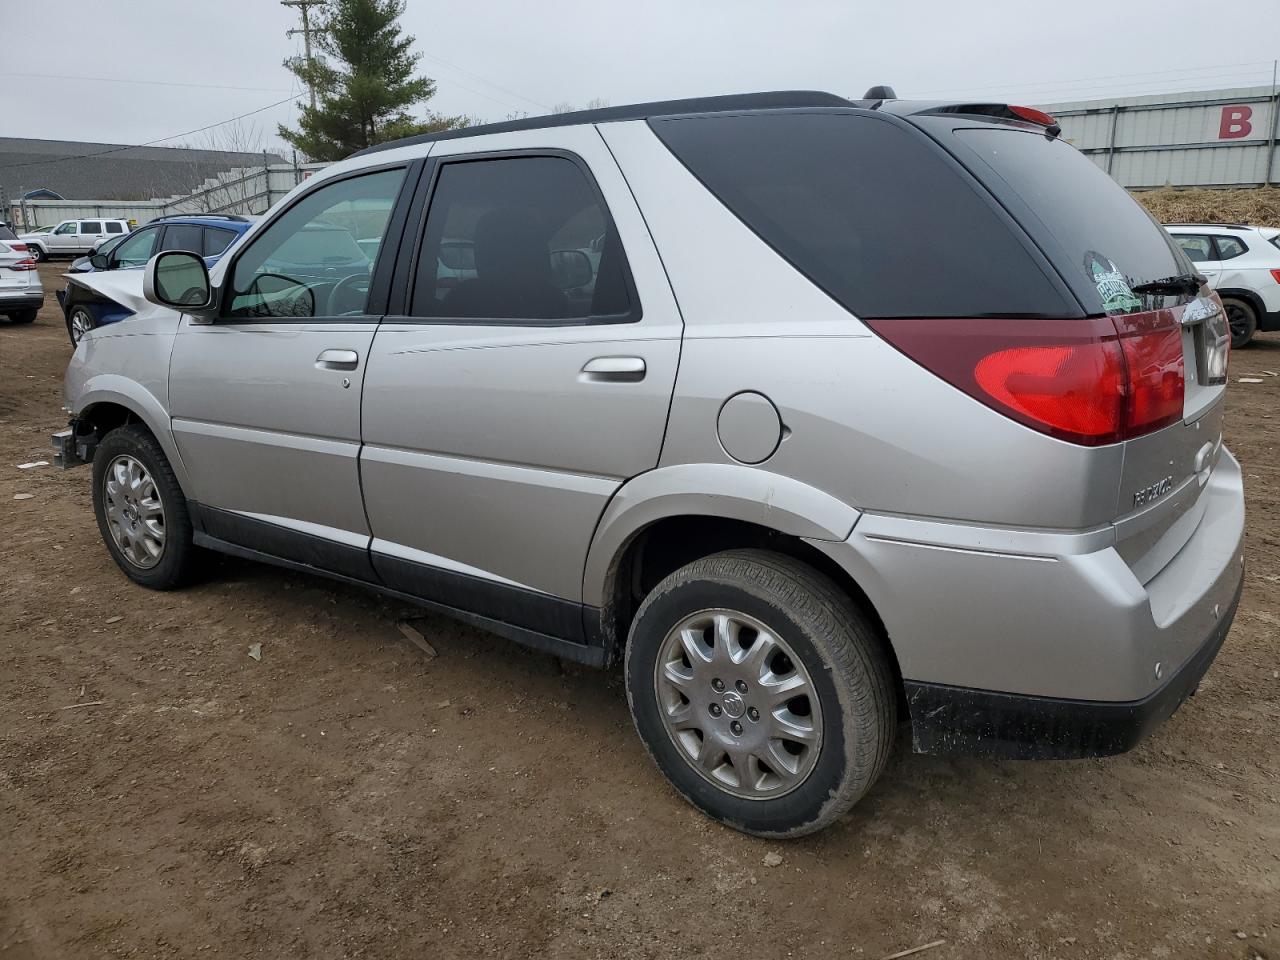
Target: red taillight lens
x,y
18,247
1032,115
1276,275
1152,344
1076,391
1092,381
27,264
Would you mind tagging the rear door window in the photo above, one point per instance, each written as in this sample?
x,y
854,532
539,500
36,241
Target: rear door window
x,y
870,211
91,226
1102,241
217,239
183,236
522,240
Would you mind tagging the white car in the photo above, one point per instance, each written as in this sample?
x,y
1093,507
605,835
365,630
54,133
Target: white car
x,y
1242,264
73,238
21,293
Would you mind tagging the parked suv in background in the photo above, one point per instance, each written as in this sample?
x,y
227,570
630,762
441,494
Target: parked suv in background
x,y
21,293
798,483
206,234
1242,263
71,238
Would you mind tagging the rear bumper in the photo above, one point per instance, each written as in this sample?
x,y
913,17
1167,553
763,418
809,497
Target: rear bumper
x,y
1043,643
26,300
959,721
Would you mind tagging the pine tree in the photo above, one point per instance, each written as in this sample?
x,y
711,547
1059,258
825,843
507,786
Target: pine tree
x,y
365,82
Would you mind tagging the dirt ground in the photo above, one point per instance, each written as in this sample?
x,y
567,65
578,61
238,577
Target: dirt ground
x,y
162,794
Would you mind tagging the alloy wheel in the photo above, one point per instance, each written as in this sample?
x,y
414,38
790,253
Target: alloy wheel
x,y
81,323
135,513
738,704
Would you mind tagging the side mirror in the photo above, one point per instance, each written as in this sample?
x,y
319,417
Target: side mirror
x,y
571,268
100,261
180,280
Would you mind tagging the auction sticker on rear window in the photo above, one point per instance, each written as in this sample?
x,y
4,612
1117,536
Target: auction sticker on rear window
x,y
1112,286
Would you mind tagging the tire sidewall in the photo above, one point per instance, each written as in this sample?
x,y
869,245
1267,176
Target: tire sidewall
x,y
785,815
177,547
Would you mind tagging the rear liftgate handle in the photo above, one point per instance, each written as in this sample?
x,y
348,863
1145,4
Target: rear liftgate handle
x,y
614,370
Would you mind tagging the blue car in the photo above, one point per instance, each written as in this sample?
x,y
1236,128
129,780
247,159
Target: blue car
x,y
210,235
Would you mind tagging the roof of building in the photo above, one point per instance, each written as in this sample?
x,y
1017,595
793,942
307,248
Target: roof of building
x,y
112,171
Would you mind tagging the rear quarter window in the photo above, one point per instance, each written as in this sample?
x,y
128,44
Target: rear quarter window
x,y
870,210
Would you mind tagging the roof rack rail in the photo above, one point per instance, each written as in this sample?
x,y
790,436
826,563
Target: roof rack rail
x,y
1207,223
233,217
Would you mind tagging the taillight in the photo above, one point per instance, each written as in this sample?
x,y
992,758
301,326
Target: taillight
x,y
18,247
1032,115
27,264
1276,275
1092,382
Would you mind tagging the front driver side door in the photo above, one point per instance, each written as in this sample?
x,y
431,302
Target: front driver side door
x,y
265,400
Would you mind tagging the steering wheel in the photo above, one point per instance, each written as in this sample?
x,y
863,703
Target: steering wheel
x,y
357,283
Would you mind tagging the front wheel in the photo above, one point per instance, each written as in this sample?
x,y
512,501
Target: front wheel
x,y
141,511
37,253
79,322
1242,319
762,692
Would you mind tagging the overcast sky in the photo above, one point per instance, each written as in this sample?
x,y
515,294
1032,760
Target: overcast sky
x,y
494,58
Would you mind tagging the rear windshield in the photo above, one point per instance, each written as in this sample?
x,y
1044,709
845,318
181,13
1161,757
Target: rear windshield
x,y
1102,240
6,233
869,210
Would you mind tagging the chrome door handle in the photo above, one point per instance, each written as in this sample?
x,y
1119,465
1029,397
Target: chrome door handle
x,y
614,370
337,360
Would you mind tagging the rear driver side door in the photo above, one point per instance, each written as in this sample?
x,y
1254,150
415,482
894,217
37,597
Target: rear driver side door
x,y
526,377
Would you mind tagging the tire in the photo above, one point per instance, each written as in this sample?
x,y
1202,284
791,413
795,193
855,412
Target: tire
x,y
79,318
1243,319
23,316
133,550
838,653
37,253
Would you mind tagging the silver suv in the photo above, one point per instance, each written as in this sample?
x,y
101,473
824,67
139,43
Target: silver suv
x,y
816,414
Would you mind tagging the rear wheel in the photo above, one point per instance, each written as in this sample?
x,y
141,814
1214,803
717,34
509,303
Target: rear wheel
x,y
141,511
761,691
1243,319
79,322
23,316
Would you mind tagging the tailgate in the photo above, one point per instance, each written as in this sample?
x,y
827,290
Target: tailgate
x,y
1165,474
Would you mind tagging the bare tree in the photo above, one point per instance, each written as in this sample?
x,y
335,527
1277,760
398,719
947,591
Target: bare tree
x,y
227,185
595,103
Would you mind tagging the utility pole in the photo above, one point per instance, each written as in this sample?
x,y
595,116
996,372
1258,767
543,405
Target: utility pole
x,y
306,31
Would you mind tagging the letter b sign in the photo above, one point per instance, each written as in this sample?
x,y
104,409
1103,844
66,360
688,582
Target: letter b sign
x,y
1235,123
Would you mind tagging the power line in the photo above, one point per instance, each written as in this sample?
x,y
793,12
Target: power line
x,y
149,143
476,76
153,83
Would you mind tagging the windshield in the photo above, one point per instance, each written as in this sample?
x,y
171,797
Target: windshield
x,y
1102,241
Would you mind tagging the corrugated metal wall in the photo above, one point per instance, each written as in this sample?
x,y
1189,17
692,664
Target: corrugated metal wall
x,y
1213,138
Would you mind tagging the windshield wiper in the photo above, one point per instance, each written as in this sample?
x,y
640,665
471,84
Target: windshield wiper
x,y
1183,283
